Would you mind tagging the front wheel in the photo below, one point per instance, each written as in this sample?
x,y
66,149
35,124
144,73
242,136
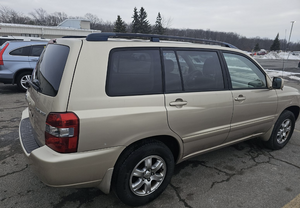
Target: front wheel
x,y
22,79
144,174
282,132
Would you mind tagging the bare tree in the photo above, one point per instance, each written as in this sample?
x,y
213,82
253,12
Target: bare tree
x,y
39,16
8,15
57,17
93,19
166,23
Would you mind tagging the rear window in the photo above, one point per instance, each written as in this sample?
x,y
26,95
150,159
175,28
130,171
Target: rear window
x,y
50,68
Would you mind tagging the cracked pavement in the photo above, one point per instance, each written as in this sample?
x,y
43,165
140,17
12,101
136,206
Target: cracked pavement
x,y
242,175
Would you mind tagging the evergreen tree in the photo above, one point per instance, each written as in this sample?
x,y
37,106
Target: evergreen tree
x,y
120,25
158,28
135,21
145,26
276,44
256,47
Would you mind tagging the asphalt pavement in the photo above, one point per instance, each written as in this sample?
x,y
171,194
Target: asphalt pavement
x,y
243,175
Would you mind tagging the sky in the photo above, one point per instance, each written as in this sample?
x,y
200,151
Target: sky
x,y
250,18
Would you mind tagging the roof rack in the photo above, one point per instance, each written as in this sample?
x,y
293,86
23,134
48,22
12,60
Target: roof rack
x,y
153,38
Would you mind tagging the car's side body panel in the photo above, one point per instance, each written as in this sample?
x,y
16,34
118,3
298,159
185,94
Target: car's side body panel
x,y
109,124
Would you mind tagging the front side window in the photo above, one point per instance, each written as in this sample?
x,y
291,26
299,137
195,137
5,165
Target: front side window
x,y
134,72
243,73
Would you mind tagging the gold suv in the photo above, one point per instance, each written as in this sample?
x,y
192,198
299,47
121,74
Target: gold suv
x,y
118,113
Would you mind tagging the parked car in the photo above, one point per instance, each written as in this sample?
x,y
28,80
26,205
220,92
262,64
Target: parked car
x,y
101,116
3,39
17,61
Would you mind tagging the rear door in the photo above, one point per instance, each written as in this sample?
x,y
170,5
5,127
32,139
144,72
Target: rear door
x,y
254,104
198,105
45,95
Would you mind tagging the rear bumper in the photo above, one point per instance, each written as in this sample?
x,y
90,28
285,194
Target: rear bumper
x,y
6,80
6,76
82,169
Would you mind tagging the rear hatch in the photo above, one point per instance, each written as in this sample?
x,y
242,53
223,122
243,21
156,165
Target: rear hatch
x,y
51,83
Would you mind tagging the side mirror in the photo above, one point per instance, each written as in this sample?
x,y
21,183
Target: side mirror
x,y
277,83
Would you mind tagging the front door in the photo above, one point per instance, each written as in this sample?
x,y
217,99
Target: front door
x,y
254,104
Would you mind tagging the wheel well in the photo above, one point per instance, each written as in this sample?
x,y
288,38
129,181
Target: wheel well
x,y
19,72
169,141
295,110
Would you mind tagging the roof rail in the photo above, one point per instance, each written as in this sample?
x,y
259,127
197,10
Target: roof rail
x,y
73,36
153,38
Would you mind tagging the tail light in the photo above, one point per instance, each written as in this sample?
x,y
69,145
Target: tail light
x,y
1,53
62,130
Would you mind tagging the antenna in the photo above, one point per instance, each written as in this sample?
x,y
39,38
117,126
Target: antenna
x,y
287,46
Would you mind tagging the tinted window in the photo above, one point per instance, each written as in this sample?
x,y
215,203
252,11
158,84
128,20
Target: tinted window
x,y
199,71
134,72
36,50
24,51
50,68
244,73
172,73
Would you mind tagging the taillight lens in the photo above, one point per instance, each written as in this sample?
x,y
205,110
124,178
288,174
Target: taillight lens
x,y
62,130
1,53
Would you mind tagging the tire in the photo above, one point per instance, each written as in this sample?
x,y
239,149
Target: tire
x,y
143,173
21,80
282,132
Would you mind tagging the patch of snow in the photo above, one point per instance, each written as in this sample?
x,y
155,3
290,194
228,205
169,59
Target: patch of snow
x,y
289,75
280,55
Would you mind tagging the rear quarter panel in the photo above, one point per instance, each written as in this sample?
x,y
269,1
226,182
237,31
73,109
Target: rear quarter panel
x,y
111,121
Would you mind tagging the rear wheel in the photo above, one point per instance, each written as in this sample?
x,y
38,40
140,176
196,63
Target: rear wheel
x,y
143,174
22,79
282,132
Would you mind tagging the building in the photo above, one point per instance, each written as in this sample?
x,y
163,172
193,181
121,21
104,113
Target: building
x,y
69,27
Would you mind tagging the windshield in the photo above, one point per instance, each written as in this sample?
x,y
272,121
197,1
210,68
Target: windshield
x,y
50,68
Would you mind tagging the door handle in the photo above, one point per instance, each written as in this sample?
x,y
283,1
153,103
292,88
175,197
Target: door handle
x,y
240,98
178,103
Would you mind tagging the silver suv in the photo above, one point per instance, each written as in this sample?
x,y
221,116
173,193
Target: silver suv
x,y
17,61
118,113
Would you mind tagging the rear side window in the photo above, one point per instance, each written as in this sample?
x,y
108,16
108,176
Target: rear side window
x,y
192,71
50,68
134,72
23,51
